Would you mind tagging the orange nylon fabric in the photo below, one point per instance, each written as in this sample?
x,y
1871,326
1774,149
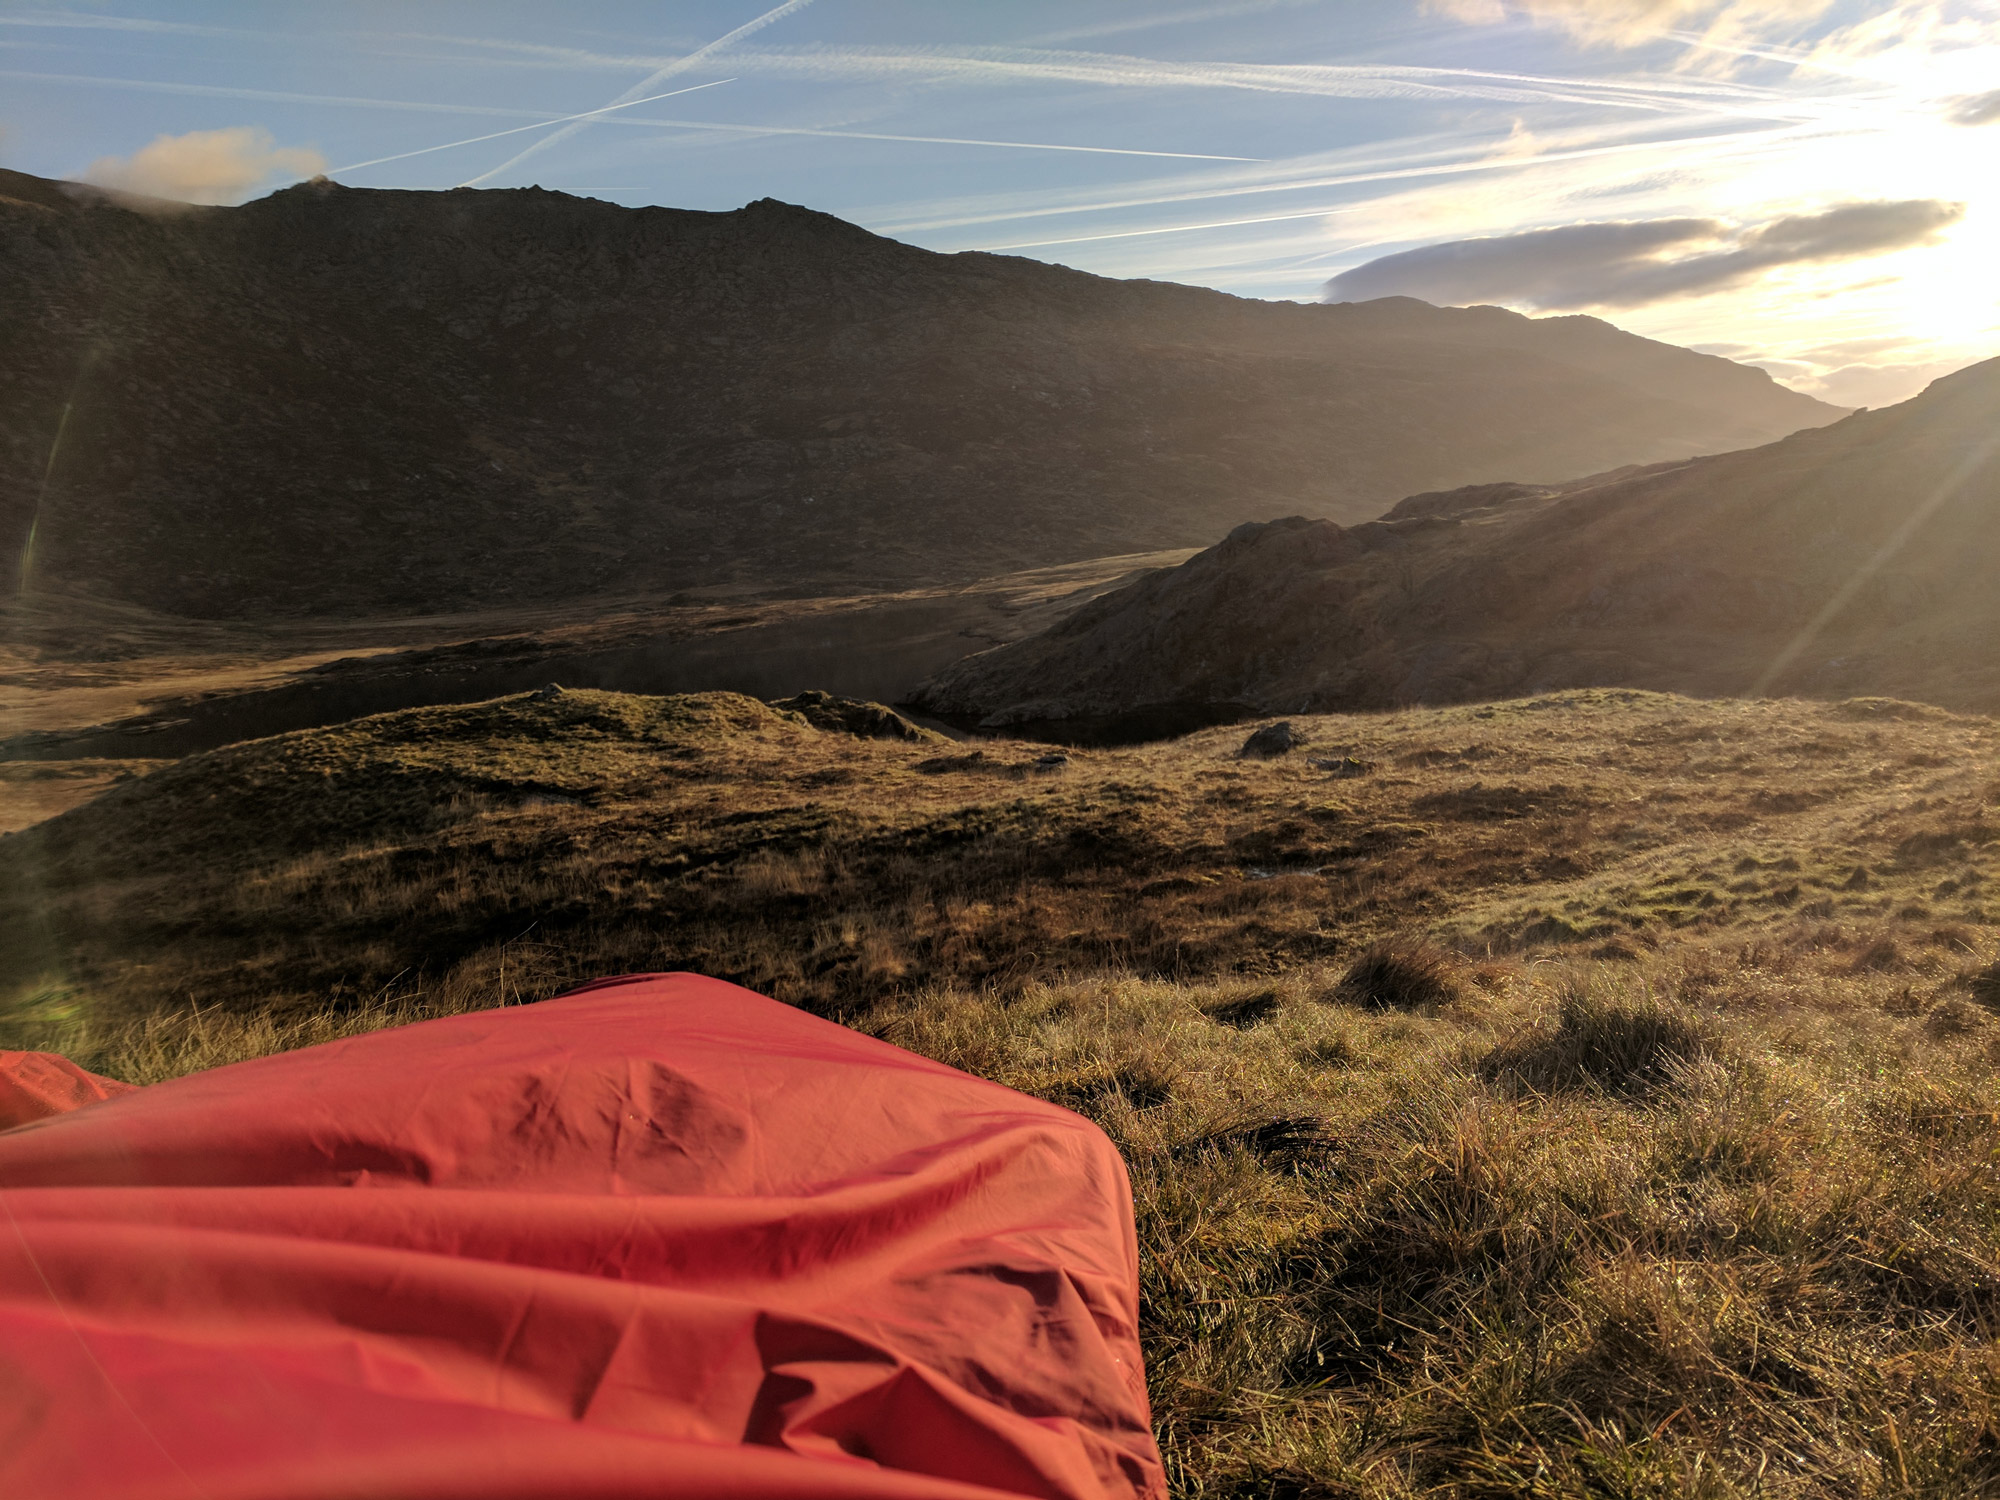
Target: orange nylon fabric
x,y
661,1237
35,1085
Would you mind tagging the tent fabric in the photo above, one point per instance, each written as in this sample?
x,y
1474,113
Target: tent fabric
x,y
661,1237
35,1085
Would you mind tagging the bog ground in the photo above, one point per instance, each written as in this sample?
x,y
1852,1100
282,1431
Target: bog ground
x,y
92,690
1585,1095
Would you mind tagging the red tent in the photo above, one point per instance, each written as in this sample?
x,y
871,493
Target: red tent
x,y
661,1237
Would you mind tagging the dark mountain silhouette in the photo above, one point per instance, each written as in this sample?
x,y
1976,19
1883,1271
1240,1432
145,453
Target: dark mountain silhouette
x,y
1856,559
354,402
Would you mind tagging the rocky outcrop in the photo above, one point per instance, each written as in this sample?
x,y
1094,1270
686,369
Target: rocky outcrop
x,y
867,721
1271,741
339,401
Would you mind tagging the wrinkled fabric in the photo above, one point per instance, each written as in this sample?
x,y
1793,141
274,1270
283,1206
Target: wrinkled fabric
x,y
661,1237
35,1085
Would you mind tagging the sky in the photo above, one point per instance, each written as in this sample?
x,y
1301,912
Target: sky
x,y
1809,185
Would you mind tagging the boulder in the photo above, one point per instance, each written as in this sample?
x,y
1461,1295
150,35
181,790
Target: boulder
x,y
1272,741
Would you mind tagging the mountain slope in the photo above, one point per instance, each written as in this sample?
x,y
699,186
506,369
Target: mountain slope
x,y
1856,558
345,401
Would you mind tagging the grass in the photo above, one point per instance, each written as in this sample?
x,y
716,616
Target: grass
x,y
1609,1044
1399,974
1584,1232
1549,1112
597,831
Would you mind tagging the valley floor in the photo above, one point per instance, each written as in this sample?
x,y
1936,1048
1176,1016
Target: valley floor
x,y
92,691
1585,1095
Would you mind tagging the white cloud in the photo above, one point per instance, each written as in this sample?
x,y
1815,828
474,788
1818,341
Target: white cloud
x,y
204,166
1628,22
1874,385
1631,263
1980,109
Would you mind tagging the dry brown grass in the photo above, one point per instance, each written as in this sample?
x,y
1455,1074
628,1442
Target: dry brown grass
x,y
1400,974
1725,1247
1658,1159
599,831
1628,1046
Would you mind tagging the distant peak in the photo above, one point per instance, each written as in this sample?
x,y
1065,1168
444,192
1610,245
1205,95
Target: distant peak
x,y
1985,374
794,218
777,207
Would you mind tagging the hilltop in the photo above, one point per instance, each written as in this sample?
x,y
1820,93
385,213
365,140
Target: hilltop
x,y
1857,558
346,402
826,851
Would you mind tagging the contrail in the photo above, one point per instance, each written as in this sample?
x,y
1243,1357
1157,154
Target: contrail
x,y
473,140
1343,179
660,75
1897,541
1354,81
1767,53
539,120
1129,234
1158,22
75,22
928,140
1346,80
270,96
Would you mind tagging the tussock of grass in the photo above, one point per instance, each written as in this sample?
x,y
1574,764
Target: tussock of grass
x,y
1245,1011
1985,986
1623,1046
1282,1141
1953,1017
1401,974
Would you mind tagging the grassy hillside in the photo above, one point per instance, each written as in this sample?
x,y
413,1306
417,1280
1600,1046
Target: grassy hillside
x,y
1590,1095
1846,561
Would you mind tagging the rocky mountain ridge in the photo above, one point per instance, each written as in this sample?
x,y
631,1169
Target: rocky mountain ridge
x,y
344,401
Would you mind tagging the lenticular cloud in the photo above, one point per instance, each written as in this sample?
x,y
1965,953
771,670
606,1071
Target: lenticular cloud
x,y
1629,263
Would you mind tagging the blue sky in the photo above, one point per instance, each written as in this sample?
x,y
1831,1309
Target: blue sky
x,y
1811,185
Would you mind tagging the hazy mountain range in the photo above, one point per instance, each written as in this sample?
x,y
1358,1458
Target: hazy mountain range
x,y
335,401
1858,558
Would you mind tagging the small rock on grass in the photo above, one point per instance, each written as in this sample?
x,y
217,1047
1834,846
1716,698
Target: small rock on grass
x,y
1342,766
1272,741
